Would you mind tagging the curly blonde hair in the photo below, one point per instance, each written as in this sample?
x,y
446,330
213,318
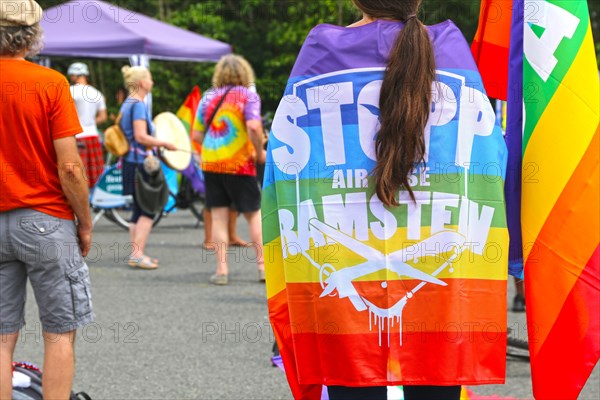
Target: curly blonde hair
x,y
233,70
15,39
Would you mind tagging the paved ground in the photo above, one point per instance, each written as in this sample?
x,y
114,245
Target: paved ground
x,y
168,334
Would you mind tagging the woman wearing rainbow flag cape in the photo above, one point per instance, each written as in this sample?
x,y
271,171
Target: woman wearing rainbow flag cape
x,y
383,213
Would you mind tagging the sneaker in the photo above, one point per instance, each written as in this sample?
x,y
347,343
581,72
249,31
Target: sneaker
x,y
219,280
261,276
518,304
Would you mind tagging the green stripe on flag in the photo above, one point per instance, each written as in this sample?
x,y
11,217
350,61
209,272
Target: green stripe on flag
x,y
480,187
537,93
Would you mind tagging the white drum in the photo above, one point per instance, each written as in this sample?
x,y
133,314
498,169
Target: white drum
x,y
170,129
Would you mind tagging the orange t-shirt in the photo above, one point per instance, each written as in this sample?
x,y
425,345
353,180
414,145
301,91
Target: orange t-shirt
x,y
37,108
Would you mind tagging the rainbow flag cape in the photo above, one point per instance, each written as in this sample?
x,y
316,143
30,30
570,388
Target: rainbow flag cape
x,y
494,49
553,68
362,294
491,44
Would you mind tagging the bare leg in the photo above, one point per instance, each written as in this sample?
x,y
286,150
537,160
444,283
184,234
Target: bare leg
x,y
142,232
255,223
234,239
519,287
59,364
220,220
7,349
132,238
208,238
519,300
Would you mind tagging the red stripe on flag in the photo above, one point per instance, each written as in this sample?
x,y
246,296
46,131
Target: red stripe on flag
x,y
445,334
490,46
571,350
282,328
424,358
493,66
485,305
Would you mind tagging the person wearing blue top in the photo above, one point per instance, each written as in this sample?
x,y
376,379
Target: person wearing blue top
x,y
136,123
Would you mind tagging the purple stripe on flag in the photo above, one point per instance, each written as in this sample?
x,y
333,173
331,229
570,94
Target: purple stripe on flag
x,y
195,176
514,141
335,48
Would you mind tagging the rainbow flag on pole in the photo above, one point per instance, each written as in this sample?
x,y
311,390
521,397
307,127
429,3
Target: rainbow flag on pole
x,y
554,70
187,113
361,294
491,46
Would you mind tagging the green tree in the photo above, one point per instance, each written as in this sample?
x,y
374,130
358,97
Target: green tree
x,y
269,33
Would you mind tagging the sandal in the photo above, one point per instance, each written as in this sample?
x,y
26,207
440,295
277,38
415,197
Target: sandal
x,y
219,280
143,262
239,243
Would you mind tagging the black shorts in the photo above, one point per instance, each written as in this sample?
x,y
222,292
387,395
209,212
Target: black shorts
x,y
239,192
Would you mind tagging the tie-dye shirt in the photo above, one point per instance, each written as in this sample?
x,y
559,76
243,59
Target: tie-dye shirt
x,y
227,148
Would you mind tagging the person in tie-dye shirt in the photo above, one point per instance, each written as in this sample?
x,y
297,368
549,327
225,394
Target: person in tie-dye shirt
x,y
229,126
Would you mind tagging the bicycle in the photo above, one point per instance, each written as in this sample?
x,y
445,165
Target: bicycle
x,y
109,202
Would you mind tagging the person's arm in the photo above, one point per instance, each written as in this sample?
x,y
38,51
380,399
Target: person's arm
x,y
101,117
254,126
101,113
140,133
255,132
75,188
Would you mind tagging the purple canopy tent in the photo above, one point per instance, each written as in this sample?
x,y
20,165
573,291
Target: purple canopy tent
x,y
93,28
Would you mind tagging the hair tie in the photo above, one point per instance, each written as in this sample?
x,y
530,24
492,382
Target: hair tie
x,y
411,16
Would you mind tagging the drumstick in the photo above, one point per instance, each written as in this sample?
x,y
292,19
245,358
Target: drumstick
x,y
184,150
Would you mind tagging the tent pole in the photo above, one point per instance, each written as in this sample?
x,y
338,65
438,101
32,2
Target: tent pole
x,y
142,60
42,60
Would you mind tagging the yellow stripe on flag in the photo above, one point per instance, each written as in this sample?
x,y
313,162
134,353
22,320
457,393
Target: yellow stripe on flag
x,y
566,128
298,269
185,114
274,268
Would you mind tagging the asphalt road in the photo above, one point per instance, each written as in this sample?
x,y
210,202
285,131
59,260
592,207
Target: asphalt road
x,y
169,334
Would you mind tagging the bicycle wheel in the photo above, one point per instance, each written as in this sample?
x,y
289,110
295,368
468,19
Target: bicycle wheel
x,y
119,216
122,216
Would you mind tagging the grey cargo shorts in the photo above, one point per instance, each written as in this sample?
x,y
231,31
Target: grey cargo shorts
x,y
44,249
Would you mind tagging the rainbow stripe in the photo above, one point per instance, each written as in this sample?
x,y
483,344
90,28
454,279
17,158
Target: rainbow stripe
x,y
416,293
187,113
491,46
560,211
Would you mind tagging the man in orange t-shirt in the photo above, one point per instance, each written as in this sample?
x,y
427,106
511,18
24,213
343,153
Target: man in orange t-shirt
x,y
42,188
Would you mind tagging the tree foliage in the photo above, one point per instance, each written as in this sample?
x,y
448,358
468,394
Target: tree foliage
x,y
268,33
